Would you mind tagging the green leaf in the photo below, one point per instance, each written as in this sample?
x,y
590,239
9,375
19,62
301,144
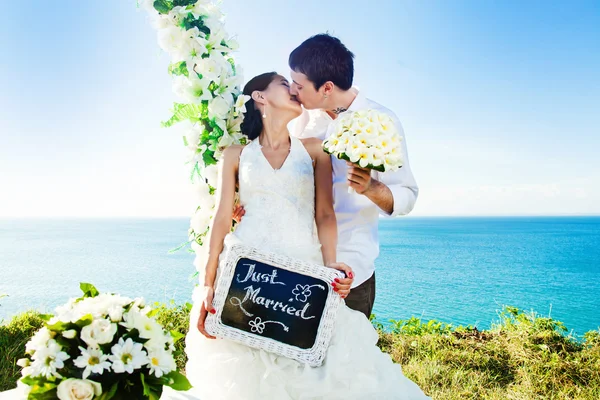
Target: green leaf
x,y
195,172
163,6
177,381
217,131
30,381
177,336
151,392
111,393
42,387
46,317
190,22
145,386
59,326
85,320
50,395
183,3
209,158
88,290
181,112
179,68
232,62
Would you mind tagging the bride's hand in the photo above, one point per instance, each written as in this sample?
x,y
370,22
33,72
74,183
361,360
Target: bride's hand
x,y
342,285
205,309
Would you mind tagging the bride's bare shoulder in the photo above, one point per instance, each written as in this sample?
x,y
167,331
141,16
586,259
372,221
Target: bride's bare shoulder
x,y
314,147
312,143
233,151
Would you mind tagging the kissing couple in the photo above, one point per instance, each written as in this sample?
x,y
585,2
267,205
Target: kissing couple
x,y
288,186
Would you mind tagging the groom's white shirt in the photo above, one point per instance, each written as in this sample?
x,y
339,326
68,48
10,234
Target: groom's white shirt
x,y
357,216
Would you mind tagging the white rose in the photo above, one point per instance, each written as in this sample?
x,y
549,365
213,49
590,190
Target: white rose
x,y
201,190
208,202
200,221
100,331
173,39
78,389
115,313
204,199
211,173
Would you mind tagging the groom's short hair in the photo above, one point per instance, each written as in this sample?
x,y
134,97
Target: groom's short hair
x,y
324,58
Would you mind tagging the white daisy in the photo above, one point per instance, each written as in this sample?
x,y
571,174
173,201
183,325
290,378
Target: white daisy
x,y
48,360
127,356
161,362
92,360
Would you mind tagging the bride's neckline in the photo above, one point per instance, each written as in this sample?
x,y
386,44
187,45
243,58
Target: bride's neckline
x,y
260,148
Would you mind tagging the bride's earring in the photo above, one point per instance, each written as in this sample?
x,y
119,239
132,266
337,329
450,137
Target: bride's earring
x,y
265,112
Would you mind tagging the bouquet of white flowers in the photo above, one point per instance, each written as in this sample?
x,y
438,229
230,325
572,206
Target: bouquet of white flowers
x,y
368,138
101,346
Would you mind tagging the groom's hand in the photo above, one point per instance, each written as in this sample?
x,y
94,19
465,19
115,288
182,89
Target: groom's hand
x,y
238,213
359,178
342,285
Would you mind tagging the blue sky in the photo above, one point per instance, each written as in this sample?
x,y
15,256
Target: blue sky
x,y
499,100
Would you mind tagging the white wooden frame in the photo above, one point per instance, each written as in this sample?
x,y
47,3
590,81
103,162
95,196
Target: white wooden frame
x,y
313,356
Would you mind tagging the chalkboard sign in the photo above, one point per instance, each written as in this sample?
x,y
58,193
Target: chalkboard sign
x,y
275,303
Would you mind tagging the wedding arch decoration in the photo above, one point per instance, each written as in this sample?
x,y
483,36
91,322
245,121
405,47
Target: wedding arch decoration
x,y
207,81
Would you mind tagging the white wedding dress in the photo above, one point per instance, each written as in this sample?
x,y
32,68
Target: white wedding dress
x,y
279,218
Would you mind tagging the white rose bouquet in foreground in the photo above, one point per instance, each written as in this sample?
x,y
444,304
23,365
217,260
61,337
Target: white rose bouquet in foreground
x,y
368,138
101,346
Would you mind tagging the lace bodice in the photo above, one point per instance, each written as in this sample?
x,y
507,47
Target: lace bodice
x,y
279,203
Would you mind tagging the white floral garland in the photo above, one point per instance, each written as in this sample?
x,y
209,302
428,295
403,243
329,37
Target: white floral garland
x,y
206,77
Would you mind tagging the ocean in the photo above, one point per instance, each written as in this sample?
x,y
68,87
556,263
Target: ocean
x,y
458,270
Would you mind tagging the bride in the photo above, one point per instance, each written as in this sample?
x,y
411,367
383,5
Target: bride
x,y
285,186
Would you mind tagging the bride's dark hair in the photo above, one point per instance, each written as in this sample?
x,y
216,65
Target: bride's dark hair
x,y
253,121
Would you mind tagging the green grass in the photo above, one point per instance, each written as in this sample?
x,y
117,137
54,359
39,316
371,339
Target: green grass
x,y
13,336
524,356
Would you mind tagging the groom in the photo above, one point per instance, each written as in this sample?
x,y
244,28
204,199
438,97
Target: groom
x,y
322,69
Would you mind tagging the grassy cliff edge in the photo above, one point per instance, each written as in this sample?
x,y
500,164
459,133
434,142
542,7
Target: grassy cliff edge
x,y
523,356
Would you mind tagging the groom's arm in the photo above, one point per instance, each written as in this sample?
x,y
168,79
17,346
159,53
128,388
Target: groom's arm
x,y
379,193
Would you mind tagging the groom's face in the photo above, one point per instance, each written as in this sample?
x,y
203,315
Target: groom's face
x,y
305,91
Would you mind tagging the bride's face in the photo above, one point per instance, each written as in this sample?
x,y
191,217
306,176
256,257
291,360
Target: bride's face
x,y
280,99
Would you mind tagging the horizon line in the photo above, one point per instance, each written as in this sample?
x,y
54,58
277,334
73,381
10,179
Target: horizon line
x,y
4,217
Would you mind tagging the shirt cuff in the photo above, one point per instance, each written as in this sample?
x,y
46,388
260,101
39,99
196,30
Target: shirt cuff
x,y
404,200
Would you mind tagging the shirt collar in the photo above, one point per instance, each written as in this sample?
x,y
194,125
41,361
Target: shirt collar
x,y
360,101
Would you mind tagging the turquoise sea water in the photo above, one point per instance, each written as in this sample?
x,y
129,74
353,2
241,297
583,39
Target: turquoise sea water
x,y
458,270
